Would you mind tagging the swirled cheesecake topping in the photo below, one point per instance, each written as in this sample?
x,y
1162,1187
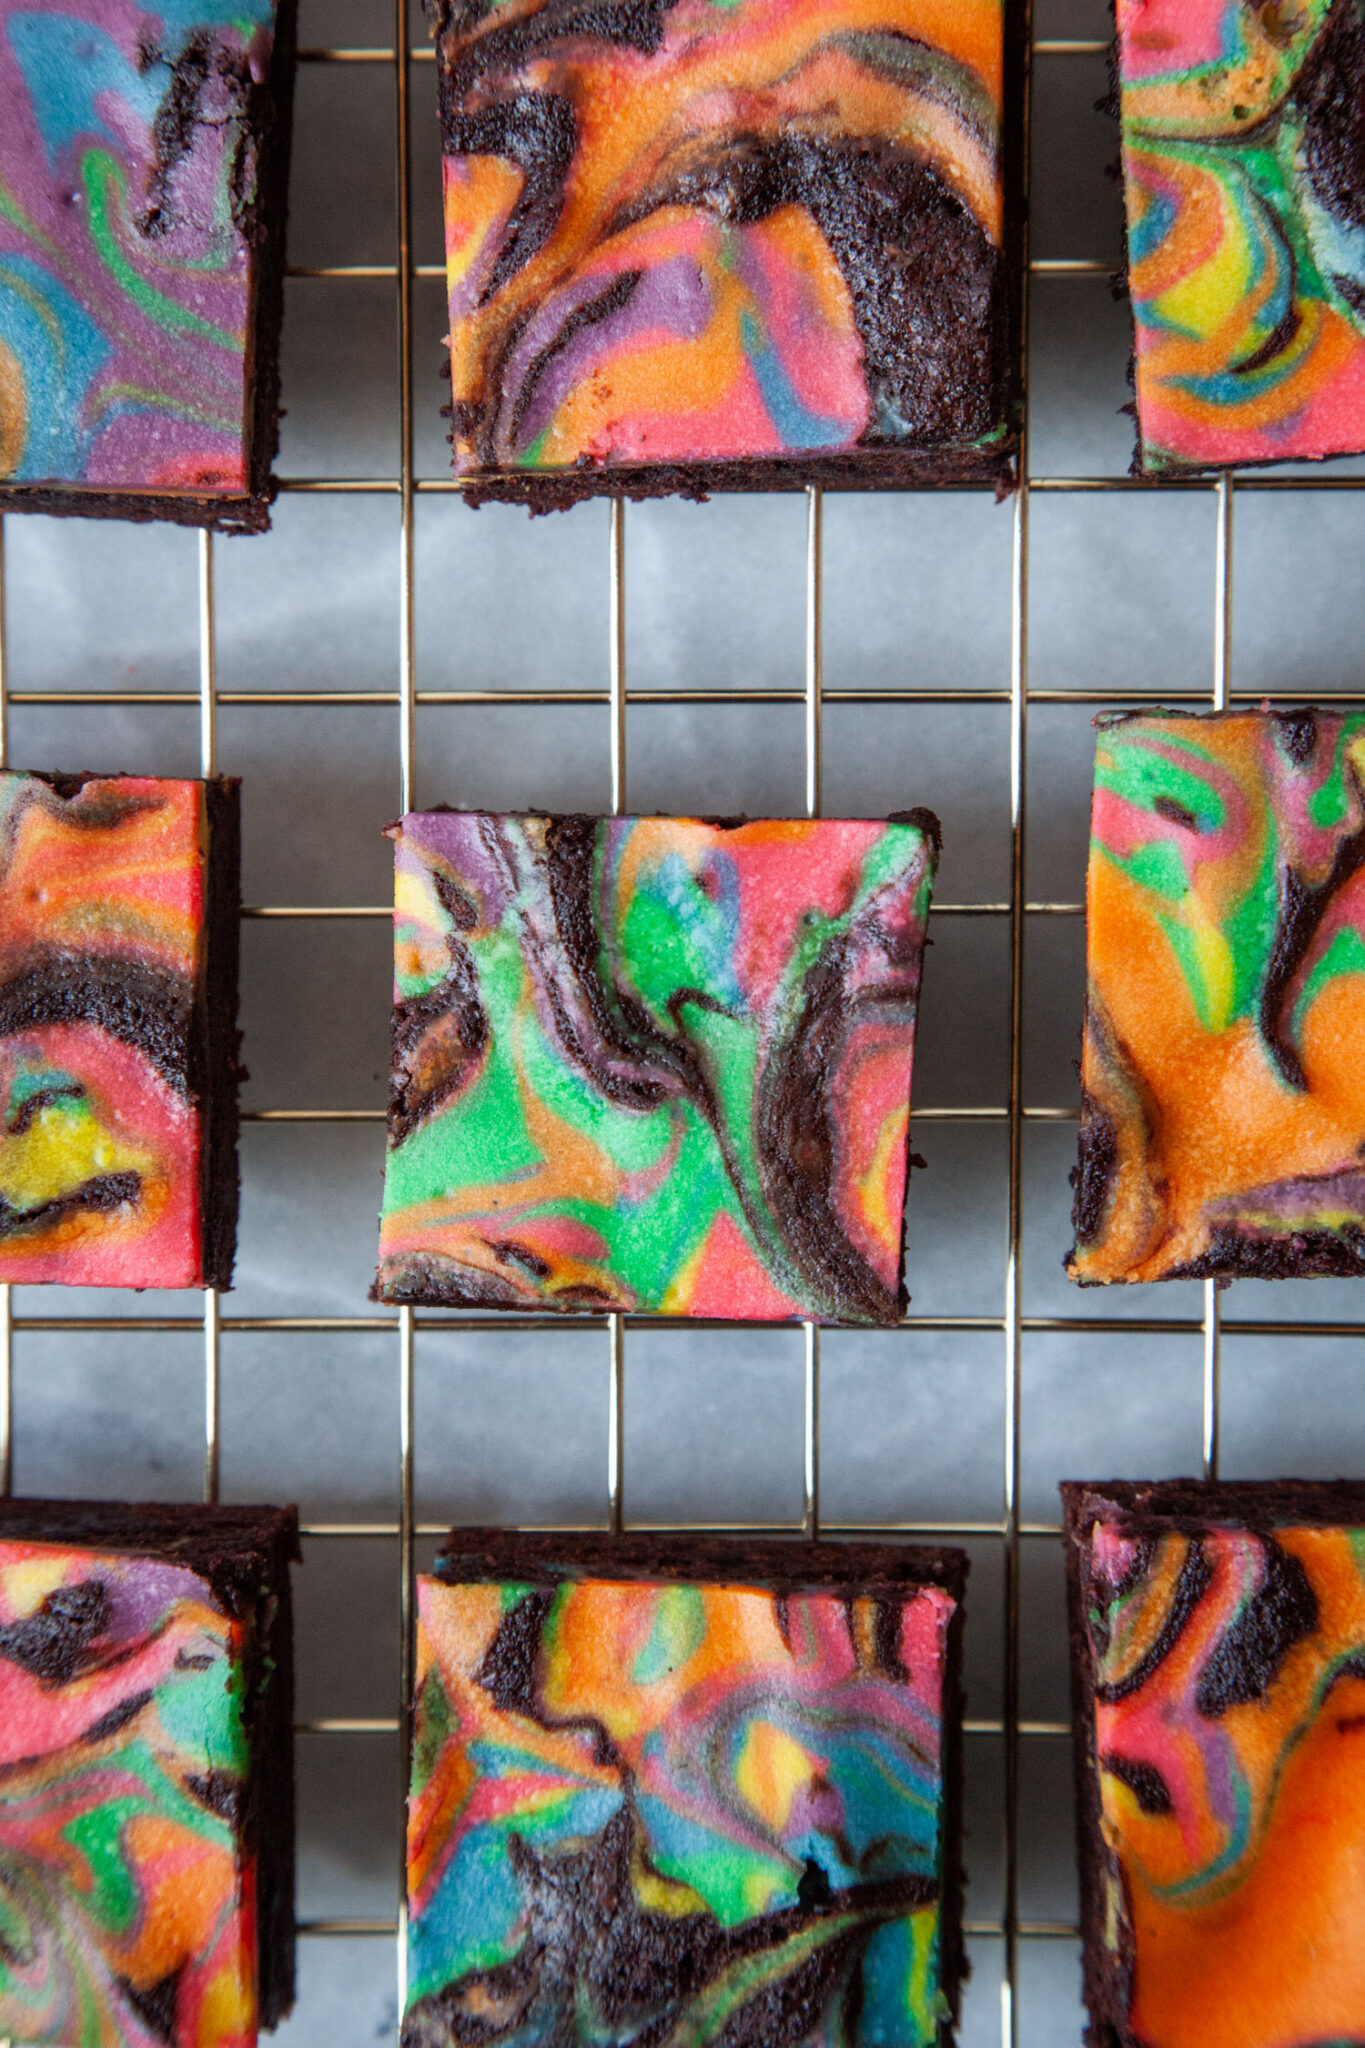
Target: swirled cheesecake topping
x,y
1223,1115
695,231
127,197
1229,1739
1244,167
653,1064
648,1813
127,1904
102,955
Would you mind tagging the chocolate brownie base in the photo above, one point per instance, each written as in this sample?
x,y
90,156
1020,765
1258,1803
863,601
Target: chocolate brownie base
x,y
272,117
218,1169
1190,1506
244,1553
471,1556
221,515
269,120
867,470
1105,1978
468,1557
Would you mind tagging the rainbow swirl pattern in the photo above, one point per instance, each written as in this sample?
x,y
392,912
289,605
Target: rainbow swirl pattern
x,y
653,1064
127,184
1243,135
1223,1118
127,1917
707,231
1229,1739
647,1814
101,963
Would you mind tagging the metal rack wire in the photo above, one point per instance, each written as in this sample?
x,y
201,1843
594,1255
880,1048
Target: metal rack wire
x,y
1010,1325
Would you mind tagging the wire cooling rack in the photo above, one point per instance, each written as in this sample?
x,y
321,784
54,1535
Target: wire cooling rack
x,y
1001,1944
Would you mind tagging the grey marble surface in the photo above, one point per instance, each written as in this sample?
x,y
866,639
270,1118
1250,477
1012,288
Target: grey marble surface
x,y
512,1427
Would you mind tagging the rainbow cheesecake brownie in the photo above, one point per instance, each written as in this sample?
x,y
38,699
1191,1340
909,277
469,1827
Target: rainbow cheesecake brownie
x,y
144,153
1245,188
118,999
656,1065
146,1774
1218,1666
685,1792
1223,1073
701,245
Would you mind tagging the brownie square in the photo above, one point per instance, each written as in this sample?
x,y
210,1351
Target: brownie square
x,y
659,1065
695,246
1245,182
146,1773
1218,1667
119,904
685,1791
1223,1074
144,152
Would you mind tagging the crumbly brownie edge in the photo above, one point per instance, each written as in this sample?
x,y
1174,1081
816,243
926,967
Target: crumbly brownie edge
x,y
1111,104
927,822
228,1546
871,469
432,1293
1192,1506
954,1968
1237,1254
271,113
270,1813
226,515
244,1553
471,1556
222,515
1011,297
218,1168
1104,1978
1176,472
1298,1255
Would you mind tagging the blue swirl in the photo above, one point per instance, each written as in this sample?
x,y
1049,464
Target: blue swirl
x,y
62,351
